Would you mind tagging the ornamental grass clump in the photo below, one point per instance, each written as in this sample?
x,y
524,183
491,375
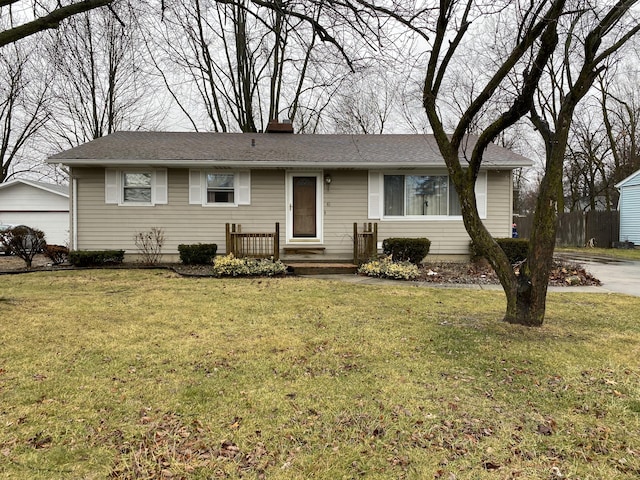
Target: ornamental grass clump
x,y
230,266
387,268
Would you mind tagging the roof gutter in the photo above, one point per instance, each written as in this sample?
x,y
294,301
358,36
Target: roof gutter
x,y
211,163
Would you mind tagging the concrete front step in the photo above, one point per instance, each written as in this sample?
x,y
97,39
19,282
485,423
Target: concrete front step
x,y
321,268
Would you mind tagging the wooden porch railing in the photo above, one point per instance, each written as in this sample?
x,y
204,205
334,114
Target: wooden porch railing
x,y
256,245
365,243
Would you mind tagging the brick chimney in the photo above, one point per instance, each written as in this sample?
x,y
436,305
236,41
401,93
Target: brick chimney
x,y
274,126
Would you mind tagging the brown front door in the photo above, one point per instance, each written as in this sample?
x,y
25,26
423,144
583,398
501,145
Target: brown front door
x,y
304,207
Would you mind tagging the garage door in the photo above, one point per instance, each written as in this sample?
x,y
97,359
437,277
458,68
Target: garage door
x,y
55,225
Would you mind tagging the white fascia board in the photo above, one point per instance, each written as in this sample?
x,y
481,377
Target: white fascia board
x,y
626,180
39,186
186,163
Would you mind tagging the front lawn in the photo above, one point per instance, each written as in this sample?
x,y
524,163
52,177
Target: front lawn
x,y
142,374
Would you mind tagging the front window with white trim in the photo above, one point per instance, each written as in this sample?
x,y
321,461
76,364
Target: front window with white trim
x,y
220,188
136,187
419,195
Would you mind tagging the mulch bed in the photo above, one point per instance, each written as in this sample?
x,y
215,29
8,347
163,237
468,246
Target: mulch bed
x,y
480,273
563,274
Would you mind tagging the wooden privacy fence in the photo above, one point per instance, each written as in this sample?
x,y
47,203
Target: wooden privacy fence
x,y
256,245
580,228
365,243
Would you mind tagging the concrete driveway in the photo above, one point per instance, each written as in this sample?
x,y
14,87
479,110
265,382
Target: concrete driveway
x,y
619,276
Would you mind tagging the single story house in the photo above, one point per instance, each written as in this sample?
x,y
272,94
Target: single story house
x,y
314,186
40,205
629,206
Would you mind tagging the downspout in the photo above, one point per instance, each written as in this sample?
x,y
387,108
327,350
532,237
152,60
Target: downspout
x,y
511,213
74,213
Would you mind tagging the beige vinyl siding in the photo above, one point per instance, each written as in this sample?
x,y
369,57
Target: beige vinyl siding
x,y
346,202
499,203
102,226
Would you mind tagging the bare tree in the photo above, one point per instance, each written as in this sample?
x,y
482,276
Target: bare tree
x,y
99,85
364,104
591,35
604,140
23,101
246,64
620,107
588,181
548,50
22,18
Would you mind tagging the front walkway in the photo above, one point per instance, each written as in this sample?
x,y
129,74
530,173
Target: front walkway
x,y
618,276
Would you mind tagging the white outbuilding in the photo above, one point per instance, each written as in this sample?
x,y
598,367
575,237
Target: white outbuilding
x,y
629,206
40,205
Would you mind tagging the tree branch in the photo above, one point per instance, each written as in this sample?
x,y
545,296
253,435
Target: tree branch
x,y
49,21
552,15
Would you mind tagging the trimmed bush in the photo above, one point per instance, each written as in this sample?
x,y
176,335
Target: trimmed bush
x,y
96,258
407,249
24,242
516,249
197,254
474,252
56,253
230,266
387,268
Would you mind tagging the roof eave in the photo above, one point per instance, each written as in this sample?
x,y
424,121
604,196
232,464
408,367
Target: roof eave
x,y
265,164
34,185
626,180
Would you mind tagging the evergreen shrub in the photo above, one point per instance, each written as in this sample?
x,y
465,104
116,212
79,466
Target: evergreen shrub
x,y
516,249
56,253
406,249
96,258
197,254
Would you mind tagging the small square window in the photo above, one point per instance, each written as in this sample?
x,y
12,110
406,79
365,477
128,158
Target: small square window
x,y
136,187
220,188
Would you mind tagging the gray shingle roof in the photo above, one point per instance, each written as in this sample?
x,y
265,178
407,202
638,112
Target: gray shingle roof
x,y
270,150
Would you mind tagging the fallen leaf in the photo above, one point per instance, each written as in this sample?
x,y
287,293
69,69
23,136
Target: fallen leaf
x,y
488,465
544,429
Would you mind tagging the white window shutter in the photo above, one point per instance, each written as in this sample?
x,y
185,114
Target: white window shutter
x,y
160,190
195,187
111,186
244,188
375,196
481,194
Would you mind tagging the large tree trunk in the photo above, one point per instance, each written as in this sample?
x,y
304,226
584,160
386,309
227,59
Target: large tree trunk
x,y
533,280
485,243
526,293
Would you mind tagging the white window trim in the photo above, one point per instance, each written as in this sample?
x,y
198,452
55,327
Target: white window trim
x,y
114,186
198,188
376,198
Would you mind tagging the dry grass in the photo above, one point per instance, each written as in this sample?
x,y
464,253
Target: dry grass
x,y
141,374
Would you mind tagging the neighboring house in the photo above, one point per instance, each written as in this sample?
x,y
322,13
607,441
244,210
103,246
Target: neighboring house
x,y
315,186
629,206
40,205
